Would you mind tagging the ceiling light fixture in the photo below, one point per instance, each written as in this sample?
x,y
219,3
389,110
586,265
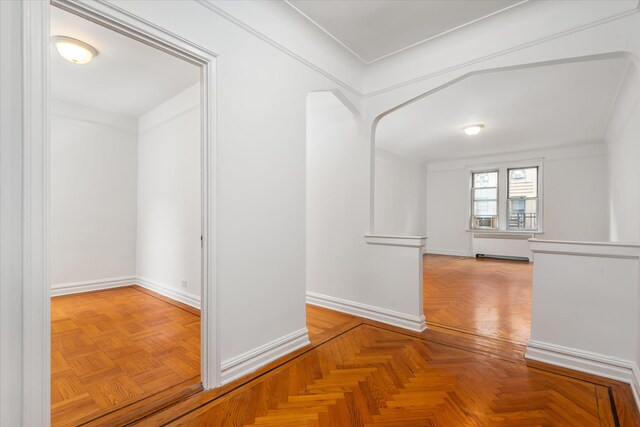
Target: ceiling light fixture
x,y
472,130
74,50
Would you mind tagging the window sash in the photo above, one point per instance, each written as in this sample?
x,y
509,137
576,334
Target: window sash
x,y
476,218
526,221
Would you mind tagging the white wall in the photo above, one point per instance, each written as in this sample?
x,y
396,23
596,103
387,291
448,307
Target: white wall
x,y
169,198
575,195
93,195
334,231
585,308
400,195
623,140
380,279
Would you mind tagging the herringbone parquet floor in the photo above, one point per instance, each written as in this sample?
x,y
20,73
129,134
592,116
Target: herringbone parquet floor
x,y
372,376
482,296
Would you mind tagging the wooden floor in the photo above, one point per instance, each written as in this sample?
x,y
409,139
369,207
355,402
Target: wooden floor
x,y
481,296
363,373
358,372
110,348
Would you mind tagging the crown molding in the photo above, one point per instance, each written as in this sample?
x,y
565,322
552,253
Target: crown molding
x,y
213,8
364,61
503,52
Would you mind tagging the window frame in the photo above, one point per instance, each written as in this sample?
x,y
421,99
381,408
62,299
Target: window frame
x,y
537,198
502,204
473,199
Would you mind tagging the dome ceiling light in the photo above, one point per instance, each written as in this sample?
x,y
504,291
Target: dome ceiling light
x,y
74,50
473,130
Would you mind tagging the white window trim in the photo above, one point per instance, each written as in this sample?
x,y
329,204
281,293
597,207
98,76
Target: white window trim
x,y
502,168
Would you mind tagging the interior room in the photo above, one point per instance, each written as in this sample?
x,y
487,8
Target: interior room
x,y
319,213
536,162
125,221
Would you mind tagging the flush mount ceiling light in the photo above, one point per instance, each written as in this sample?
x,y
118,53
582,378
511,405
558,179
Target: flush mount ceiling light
x,y
472,130
74,50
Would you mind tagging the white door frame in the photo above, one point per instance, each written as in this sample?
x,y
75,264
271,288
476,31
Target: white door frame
x,y
36,189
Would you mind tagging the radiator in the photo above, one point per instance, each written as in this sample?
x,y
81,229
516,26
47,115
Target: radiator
x,y
508,245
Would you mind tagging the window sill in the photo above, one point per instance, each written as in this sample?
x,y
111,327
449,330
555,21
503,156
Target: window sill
x,y
482,230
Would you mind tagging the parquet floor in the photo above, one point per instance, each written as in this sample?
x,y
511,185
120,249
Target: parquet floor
x,y
371,375
358,372
483,296
112,347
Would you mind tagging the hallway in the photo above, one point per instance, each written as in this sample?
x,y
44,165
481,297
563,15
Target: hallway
x,y
486,297
354,372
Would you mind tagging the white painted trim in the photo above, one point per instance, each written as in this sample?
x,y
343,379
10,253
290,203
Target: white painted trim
x,y
36,279
500,53
364,61
185,297
592,249
448,252
111,16
91,285
179,295
580,360
503,235
209,4
409,241
252,360
635,383
394,318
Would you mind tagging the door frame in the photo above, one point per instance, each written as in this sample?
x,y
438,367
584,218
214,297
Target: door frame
x,y
36,188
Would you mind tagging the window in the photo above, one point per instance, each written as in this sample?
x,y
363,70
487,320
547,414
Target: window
x,y
522,199
506,198
484,194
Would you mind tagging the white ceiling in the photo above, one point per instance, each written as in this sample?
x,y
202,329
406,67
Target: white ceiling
x,y
127,76
373,29
522,109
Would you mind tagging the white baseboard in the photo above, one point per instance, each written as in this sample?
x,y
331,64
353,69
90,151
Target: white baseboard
x,y
635,384
116,282
173,293
448,252
91,285
401,320
252,360
583,361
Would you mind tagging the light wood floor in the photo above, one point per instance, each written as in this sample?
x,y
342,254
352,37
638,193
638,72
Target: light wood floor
x,y
358,372
482,296
110,348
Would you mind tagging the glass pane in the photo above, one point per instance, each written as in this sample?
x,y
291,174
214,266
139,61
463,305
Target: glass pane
x,y
485,208
485,194
523,214
523,182
485,179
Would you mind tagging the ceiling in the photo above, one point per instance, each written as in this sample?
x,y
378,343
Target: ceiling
x,y
127,76
373,29
522,109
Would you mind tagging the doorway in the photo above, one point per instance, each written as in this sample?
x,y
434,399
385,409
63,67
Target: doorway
x,y
130,218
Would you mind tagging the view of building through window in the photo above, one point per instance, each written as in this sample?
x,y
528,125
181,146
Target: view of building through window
x,y
522,195
521,199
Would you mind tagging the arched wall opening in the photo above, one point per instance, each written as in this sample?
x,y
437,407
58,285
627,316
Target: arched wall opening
x,y
577,168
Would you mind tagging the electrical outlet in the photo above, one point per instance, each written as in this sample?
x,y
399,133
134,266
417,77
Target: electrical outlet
x,y
184,283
